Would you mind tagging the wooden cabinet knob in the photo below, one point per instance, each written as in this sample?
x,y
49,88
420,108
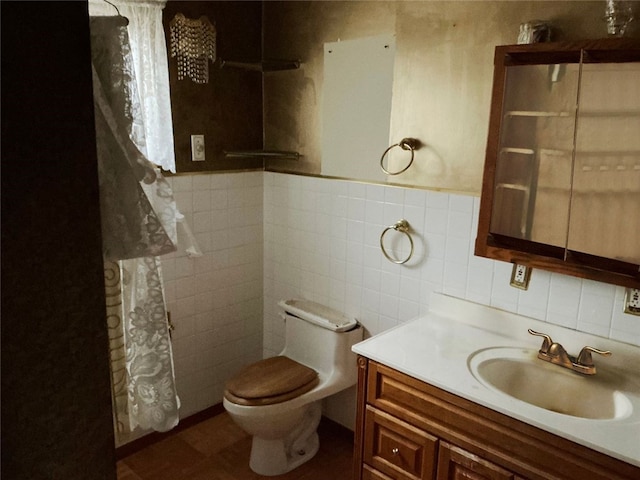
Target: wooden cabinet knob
x,y
395,451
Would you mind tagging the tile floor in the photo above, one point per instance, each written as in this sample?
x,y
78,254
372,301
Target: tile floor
x,y
216,449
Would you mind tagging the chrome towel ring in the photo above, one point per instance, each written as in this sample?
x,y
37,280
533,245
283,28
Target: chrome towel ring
x,y
403,227
405,144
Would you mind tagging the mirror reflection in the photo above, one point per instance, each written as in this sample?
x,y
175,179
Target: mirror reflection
x,y
569,160
533,173
606,180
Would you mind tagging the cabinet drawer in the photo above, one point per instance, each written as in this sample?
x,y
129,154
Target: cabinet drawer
x,y
369,473
396,448
457,464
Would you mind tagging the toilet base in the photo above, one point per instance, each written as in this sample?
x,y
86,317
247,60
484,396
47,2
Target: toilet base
x,y
271,457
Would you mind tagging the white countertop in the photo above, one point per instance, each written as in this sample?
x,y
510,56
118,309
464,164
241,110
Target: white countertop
x,y
436,349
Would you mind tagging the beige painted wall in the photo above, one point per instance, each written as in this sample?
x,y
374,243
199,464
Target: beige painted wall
x,y
442,75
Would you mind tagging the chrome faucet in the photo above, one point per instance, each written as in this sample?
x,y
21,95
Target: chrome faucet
x,y
555,353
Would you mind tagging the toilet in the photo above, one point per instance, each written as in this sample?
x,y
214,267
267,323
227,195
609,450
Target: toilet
x,y
278,400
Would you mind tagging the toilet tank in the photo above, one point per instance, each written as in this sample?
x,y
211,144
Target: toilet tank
x,y
321,337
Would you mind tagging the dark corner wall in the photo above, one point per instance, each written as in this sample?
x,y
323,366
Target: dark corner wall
x,y
56,405
228,109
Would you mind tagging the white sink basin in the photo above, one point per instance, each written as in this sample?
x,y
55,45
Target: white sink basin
x,y
518,372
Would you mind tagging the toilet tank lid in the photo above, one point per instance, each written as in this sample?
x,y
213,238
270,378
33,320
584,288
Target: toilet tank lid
x,y
321,315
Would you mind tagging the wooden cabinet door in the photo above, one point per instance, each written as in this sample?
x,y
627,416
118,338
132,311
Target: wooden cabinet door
x,y
369,473
398,449
457,464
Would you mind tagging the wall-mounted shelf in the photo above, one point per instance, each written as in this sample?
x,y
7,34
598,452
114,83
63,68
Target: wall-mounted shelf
x,y
263,66
610,113
533,113
262,153
521,151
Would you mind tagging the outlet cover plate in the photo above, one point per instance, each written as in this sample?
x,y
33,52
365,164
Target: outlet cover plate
x,y
632,301
197,148
520,276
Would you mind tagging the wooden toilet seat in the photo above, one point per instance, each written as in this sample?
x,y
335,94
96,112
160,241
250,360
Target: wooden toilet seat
x,y
269,381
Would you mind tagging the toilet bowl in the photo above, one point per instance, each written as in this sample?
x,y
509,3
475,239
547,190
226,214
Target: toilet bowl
x,y
278,400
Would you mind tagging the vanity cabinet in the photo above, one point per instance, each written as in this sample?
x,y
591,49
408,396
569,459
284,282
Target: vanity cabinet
x,y
561,185
407,429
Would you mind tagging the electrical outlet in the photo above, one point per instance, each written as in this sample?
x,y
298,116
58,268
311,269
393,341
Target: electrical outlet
x,y
632,301
197,148
520,276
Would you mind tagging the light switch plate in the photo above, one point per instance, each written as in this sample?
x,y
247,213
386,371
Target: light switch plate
x,y
520,276
197,148
632,301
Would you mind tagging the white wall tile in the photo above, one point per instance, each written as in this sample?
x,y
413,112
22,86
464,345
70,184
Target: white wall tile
x,y
407,310
436,244
455,279
355,231
184,201
356,209
219,182
390,284
372,257
184,287
534,301
415,216
457,250
595,309
459,224
479,282
184,267
201,222
503,295
389,306
374,213
199,290
409,289
436,220
564,299
415,197
201,182
394,195
181,183
339,206
219,199
437,200
375,193
392,212
461,203
222,219
201,200
372,233
624,326
269,236
357,190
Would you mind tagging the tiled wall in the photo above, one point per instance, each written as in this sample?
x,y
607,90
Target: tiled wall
x,y
216,300
322,242
320,239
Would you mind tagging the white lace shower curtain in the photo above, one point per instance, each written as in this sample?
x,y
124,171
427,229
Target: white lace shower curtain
x,y
138,224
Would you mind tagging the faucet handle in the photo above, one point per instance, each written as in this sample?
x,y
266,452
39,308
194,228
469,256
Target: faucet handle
x,y
584,358
547,342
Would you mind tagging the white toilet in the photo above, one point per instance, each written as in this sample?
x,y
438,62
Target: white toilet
x,y
278,400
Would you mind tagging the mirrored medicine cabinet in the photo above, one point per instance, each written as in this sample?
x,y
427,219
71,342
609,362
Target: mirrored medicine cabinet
x,y
561,184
